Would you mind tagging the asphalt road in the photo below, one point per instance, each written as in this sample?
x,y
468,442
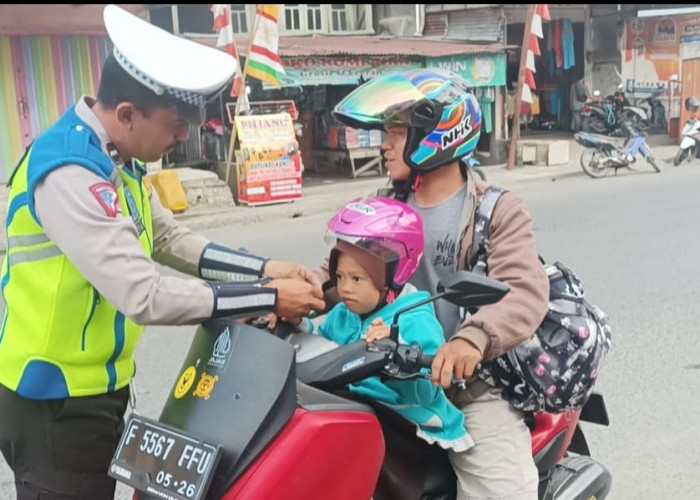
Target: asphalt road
x,y
634,241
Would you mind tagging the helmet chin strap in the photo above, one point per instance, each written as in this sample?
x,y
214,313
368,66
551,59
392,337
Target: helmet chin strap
x,y
417,182
388,297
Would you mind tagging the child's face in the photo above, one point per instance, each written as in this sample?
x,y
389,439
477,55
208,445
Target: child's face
x,y
393,146
355,287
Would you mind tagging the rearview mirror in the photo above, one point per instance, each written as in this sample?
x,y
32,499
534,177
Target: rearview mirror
x,y
468,289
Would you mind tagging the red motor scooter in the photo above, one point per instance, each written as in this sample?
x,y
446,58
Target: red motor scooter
x,y
248,420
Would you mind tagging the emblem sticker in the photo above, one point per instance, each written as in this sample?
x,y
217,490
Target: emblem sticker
x,y
458,133
185,382
222,348
114,154
205,386
363,208
107,197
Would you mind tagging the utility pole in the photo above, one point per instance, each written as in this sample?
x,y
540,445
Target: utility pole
x,y
515,130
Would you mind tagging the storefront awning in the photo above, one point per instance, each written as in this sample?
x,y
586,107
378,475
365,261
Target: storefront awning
x,y
369,46
330,60
378,46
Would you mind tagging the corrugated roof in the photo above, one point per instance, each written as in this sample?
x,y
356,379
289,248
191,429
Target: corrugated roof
x,y
370,46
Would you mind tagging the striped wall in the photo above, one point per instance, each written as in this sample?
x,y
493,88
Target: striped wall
x,y
41,77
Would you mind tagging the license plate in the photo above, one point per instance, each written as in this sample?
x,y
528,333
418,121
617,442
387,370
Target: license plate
x,y
163,461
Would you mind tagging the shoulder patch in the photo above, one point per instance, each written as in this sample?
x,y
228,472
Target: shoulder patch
x,y
107,197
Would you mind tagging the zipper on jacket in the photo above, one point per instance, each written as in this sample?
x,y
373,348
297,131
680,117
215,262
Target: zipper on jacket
x,y
95,300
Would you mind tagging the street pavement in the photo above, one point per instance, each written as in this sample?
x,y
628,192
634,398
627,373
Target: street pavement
x,y
329,193
632,240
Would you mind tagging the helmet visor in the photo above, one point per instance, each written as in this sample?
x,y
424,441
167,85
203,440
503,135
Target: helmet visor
x,y
386,249
385,100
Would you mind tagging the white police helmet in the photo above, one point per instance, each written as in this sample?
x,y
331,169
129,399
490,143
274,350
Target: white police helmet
x,y
188,71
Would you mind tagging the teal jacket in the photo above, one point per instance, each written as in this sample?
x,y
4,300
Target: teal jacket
x,y
438,420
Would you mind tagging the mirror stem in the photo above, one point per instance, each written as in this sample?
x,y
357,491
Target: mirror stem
x,y
394,331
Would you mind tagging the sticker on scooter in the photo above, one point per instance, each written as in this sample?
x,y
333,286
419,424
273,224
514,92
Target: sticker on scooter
x,y
184,384
222,347
352,364
205,386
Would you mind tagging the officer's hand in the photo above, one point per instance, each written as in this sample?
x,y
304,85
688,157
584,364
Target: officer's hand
x,y
282,269
457,357
273,319
296,298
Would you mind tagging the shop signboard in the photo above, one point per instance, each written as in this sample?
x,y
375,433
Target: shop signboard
x,y
268,161
345,70
480,70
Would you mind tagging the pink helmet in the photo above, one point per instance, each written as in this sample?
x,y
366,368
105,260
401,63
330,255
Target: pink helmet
x,y
386,228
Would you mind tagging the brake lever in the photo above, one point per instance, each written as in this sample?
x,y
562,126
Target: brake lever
x,y
393,372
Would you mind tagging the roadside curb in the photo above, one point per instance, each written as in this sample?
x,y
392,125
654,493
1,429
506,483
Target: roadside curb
x,y
332,201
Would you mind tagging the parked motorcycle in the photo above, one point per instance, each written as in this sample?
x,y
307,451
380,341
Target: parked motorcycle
x,y
690,143
599,115
604,155
656,112
247,421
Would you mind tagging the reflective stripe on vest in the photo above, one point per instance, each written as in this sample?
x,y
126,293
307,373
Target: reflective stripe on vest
x,y
59,337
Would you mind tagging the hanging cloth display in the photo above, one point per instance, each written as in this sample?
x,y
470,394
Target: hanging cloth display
x,y
486,96
557,43
551,55
567,40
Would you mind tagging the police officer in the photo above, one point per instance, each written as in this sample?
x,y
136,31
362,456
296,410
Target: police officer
x,y
79,276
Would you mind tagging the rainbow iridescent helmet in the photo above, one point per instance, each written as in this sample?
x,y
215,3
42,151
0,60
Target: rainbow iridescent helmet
x,y
443,117
388,229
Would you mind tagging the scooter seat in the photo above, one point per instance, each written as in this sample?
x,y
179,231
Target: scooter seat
x,y
313,399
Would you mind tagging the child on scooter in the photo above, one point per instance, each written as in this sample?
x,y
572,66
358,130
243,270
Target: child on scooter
x,y
379,243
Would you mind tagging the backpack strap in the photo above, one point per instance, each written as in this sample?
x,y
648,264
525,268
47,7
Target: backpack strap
x,y
482,229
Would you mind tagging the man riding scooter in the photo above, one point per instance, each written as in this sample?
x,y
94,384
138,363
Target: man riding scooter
x,y
690,143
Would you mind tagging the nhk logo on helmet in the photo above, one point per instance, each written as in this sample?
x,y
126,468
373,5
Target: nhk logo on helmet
x,y
458,133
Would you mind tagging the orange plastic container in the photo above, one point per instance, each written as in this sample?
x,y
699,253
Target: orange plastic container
x,y
170,191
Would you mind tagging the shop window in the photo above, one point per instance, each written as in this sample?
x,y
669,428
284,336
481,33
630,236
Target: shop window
x,y
292,17
194,18
325,18
339,17
239,18
313,17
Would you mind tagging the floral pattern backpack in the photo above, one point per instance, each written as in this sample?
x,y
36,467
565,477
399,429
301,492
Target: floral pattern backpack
x,y
555,370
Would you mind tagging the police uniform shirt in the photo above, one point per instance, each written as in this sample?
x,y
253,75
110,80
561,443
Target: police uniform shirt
x,y
106,250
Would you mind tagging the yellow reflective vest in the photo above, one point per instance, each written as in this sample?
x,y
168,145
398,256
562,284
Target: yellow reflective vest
x,y
59,337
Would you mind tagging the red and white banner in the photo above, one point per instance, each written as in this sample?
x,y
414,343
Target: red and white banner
x,y
226,41
529,84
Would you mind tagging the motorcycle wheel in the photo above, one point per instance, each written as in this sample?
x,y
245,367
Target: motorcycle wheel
x,y
480,173
588,161
680,156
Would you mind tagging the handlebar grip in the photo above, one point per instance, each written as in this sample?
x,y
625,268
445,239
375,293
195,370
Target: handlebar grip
x,y
426,360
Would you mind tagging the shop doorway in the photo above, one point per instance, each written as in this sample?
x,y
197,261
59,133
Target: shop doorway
x,y
555,72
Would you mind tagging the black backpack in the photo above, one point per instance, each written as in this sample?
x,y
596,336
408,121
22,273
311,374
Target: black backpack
x,y
555,370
